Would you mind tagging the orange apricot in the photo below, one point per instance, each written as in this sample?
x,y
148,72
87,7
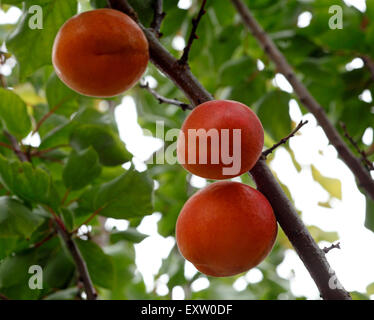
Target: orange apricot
x,y
100,53
226,228
220,139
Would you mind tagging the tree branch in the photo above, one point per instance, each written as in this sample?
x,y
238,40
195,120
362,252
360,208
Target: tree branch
x,y
284,140
77,257
15,146
162,99
362,175
369,63
363,154
158,18
312,256
195,23
333,246
3,297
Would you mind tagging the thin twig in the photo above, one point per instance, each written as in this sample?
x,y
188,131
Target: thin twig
x,y
46,239
333,246
158,17
361,173
47,115
78,259
87,220
3,297
284,140
38,153
363,154
5,145
162,99
369,63
15,146
195,23
65,197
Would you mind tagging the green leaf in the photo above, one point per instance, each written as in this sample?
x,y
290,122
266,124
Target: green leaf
x,y
100,265
110,148
130,234
60,97
234,72
320,235
16,220
33,47
28,183
128,196
13,113
65,294
273,111
369,218
59,270
331,185
81,169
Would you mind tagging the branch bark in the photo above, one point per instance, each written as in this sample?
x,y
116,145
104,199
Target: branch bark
x,y
361,173
77,257
312,256
15,146
161,99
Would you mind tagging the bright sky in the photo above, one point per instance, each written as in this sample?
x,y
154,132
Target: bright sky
x,y
354,263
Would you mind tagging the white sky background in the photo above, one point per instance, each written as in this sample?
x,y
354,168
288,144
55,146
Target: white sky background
x,y
354,263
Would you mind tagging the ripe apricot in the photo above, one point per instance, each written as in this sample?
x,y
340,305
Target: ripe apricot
x,y
100,53
226,228
240,140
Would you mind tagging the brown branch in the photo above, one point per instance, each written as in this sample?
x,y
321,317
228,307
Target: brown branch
x,y
369,63
362,175
87,220
46,239
284,140
313,257
38,153
5,145
363,154
77,257
195,23
161,99
158,18
47,115
66,195
3,297
333,246
15,146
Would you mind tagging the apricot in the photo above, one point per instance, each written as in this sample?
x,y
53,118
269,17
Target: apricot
x,y
100,53
226,228
233,142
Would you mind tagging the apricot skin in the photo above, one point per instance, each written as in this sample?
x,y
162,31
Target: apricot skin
x,y
100,53
222,114
226,228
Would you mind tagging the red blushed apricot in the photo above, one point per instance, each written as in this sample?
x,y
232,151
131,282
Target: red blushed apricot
x,y
100,53
231,155
226,228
